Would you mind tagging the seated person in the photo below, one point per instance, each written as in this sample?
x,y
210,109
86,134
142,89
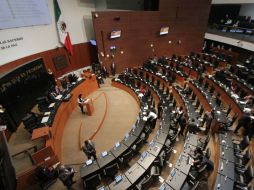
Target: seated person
x,y
46,173
192,127
58,90
66,174
151,118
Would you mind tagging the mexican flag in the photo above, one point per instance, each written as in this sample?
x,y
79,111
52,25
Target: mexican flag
x,y
63,33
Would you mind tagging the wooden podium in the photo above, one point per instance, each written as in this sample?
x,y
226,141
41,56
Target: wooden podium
x,y
89,107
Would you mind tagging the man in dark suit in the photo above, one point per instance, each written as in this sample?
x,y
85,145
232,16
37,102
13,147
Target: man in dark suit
x,y
113,69
66,174
89,149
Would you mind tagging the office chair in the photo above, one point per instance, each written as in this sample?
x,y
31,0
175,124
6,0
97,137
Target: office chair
x,y
231,121
228,110
212,90
111,170
145,183
155,172
197,104
92,182
44,181
137,146
193,97
171,96
126,158
208,153
169,146
202,143
160,160
201,111
30,122
242,145
241,187
190,185
206,85
195,174
244,178
43,104
242,159
144,136
218,101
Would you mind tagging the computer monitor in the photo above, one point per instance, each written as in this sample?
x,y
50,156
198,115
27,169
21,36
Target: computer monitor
x,y
117,145
164,30
162,187
89,162
143,155
127,136
105,153
118,178
115,34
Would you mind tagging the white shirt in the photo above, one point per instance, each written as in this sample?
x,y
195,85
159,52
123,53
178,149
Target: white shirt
x,y
152,115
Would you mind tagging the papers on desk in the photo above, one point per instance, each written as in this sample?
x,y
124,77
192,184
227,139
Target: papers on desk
x,y
51,105
44,119
47,113
140,95
242,102
59,97
235,96
145,118
247,110
89,162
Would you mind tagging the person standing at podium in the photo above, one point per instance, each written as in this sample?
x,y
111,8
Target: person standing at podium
x,y
81,102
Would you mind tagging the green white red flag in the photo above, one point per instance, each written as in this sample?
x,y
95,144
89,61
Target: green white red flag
x,y
64,36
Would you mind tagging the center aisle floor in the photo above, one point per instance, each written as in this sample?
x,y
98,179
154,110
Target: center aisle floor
x,y
122,112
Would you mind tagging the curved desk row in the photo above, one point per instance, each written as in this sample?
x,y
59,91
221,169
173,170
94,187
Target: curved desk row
x,y
225,97
178,175
248,88
166,85
113,155
132,176
188,70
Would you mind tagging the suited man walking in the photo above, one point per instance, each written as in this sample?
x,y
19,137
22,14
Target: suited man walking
x,y
113,69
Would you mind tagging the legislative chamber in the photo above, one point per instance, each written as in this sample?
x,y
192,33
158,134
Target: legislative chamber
x,y
137,95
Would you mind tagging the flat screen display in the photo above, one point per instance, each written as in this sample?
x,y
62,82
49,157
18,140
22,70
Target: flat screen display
x,y
115,34
164,30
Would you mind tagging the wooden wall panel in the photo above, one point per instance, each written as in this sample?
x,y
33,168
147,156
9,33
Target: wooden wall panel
x,y
83,55
140,29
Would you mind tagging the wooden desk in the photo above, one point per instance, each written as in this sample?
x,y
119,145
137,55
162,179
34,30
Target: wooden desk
x,y
225,97
41,132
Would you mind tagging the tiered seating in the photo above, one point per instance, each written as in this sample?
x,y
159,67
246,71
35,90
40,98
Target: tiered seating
x,y
148,166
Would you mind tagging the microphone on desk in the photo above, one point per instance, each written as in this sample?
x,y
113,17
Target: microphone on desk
x,y
221,168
